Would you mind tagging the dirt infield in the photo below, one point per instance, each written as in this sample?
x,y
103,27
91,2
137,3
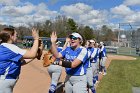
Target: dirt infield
x,y
118,57
34,77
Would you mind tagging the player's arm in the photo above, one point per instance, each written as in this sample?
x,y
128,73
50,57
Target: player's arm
x,y
33,51
66,43
76,61
54,51
69,64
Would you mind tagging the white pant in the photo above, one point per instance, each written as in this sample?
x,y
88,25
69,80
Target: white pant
x,y
7,85
94,68
55,73
103,61
76,84
89,75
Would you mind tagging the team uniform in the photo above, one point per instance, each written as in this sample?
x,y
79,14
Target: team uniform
x,y
98,60
76,81
90,71
103,57
10,66
55,73
94,64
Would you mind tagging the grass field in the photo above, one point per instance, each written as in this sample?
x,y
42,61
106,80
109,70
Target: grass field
x,y
121,77
126,51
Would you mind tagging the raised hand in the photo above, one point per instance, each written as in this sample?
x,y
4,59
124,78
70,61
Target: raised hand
x,y
53,37
67,39
35,34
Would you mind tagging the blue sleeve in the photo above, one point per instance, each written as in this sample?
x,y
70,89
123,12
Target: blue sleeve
x,y
63,52
16,58
83,55
59,49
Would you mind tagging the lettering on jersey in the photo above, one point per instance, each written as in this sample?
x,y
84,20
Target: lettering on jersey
x,y
69,57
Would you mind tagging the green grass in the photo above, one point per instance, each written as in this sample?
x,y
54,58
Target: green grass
x,y
121,77
126,51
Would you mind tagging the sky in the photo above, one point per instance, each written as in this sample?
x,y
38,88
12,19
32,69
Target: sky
x,y
94,13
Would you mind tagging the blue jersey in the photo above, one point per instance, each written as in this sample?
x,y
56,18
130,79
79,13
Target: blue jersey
x,y
59,49
90,51
10,63
79,53
103,51
95,55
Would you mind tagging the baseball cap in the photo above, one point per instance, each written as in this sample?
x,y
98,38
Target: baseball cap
x,y
92,41
77,35
101,43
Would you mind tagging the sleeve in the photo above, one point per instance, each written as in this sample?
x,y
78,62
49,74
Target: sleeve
x,y
102,49
83,55
18,50
19,53
63,52
59,49
14,52
16,58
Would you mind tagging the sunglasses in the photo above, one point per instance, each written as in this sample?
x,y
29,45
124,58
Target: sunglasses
x,y
73,37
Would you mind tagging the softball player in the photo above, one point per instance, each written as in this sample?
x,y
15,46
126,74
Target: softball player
x,y
11,58
90,71
75,59
103,57
55,72
94,63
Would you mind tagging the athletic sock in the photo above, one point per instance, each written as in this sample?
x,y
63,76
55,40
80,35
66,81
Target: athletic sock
x,y
52,88
93,90
96,77
104,69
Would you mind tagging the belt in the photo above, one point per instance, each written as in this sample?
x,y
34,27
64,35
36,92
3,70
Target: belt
x,y
7,77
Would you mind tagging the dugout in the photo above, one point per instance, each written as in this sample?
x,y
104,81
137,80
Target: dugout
x,y
111,49
46,41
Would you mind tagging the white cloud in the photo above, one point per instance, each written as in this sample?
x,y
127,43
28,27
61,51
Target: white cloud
x,y
41,6
94,17
75,9
125,14
26,13
18,10
17,13
42,10
133,18
85,14
9,2
90,15
122,10
132,2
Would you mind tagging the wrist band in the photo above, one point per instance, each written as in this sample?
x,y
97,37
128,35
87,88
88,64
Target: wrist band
x,y
66,64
